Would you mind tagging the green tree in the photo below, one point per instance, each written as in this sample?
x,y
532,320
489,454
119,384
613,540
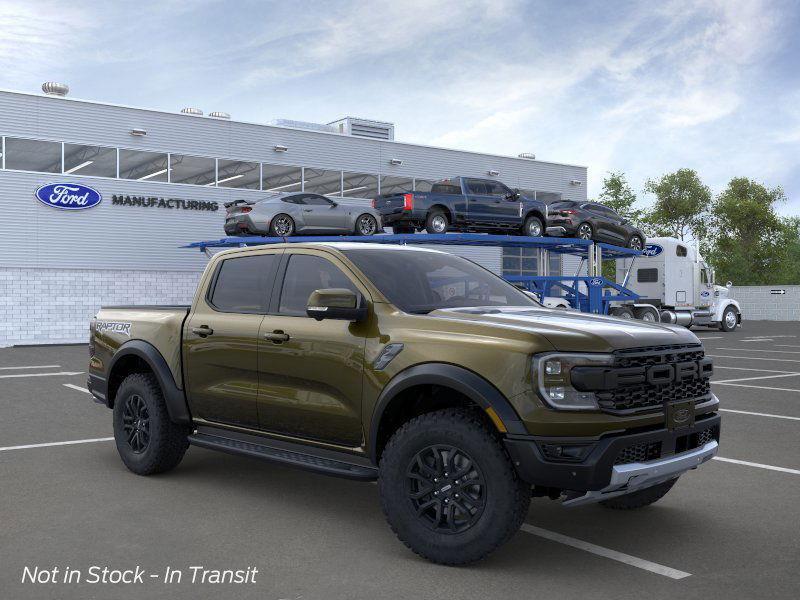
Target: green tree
x,y
618,195
749,243
681,205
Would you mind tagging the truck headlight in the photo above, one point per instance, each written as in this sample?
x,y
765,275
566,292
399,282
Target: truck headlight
x,y
551,378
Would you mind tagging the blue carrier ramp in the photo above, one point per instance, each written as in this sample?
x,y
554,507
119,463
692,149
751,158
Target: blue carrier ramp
x,y
597,297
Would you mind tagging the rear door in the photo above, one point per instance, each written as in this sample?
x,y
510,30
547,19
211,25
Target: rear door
x,y
480,202
221,339
311,371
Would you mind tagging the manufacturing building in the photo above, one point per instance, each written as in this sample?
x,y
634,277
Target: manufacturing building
x,y
161,179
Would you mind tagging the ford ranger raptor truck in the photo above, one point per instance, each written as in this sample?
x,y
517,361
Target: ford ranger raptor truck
x,y
462,396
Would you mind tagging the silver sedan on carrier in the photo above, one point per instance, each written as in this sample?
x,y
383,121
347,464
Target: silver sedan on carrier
x,y
287,214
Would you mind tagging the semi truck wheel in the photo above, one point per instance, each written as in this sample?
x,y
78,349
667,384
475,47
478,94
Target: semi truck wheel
x,y
729,319
448,488
649,315
147,440
639,499
622,312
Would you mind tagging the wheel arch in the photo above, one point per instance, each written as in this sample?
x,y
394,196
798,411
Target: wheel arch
x,y
138,356
398,398
535,212
444,208
723,306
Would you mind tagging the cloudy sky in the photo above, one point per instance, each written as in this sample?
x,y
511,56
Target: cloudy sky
x,y
642,87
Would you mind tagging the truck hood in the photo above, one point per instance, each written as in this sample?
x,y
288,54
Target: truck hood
x,y
574,332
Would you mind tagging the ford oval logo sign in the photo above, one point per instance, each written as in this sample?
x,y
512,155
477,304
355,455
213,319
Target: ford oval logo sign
x,y
68,196
596,282
652,250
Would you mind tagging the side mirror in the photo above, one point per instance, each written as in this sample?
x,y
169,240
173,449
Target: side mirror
x,y
729,285
335,303
334,204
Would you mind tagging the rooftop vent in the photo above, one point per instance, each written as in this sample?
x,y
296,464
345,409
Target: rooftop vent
x,y
51,88
527,155
303,125
219,115
377,130
192,111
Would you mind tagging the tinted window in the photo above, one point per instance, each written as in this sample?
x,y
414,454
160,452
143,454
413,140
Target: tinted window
x,y
495,188
476,186
562,204
446,187
647,275
432,280
317,200
681,251
242,284
33,155
304,274
294,199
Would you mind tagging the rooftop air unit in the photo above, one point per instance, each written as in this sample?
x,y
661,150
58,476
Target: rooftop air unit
x,y
219,115
303,125
377,130
51,88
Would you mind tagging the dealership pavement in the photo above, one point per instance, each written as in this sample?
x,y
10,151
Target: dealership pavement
x,y
730,529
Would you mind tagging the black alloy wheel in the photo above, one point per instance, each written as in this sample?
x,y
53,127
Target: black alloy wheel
x,y
136,423
635,243
282,226
446,489
584,231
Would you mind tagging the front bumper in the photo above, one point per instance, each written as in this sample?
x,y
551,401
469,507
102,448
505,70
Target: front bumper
x,y
600,473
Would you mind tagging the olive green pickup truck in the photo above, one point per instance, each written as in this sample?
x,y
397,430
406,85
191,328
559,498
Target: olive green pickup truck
x,y
458,393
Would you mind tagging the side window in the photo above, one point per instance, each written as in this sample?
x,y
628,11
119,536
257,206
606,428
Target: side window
x,y
647,275
681,251
299,199
476,186
304,274
242,285
315,200
704,276
495,188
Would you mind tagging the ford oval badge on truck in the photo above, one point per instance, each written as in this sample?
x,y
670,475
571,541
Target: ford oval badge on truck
x,y
652,250
68,196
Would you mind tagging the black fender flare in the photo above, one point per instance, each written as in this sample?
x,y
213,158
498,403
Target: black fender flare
x,y
174,397
472,385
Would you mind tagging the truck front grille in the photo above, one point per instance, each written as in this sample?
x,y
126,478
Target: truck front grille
x,y
645,396
640,452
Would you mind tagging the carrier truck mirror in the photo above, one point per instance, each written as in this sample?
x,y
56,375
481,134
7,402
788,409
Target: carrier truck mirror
x,y
335,303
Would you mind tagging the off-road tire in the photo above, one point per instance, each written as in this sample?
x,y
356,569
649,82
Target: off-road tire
x,y
506,497
640,499
167,441
530,224
723,325
430,225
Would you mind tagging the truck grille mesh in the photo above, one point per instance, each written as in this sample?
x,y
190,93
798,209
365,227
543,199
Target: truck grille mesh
x,y
643,397
640,452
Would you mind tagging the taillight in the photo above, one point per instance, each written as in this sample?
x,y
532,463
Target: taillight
x,y
568,212
374,201
408,201
246,209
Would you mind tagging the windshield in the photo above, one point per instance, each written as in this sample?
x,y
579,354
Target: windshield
x,y
419,281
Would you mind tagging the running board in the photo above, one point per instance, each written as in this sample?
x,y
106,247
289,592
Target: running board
x,y
309,458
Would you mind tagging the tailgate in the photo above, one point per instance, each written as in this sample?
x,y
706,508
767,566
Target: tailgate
x,y
391,203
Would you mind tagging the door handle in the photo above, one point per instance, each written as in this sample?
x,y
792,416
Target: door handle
x,y
277,336
308,210
203,330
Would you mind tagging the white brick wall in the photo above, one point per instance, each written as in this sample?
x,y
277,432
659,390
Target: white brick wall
x,y
54,306
759,304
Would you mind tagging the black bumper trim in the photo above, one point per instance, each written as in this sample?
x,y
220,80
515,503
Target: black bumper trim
x,y
594,472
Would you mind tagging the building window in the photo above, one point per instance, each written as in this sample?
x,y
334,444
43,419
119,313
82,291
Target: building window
x,y
520,261
396,185
280,178
96,161
321,181
194,170
143,166
359,185
33,155
237,174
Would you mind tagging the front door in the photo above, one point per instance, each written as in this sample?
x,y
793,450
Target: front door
x,y
221,340
323,214
311,371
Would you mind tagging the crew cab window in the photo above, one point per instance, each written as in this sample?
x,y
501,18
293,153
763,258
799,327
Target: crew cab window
x,y
476,186
647,275
495,188
304,274
446,187
242,285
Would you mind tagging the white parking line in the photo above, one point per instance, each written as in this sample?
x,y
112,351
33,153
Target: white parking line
x,y
40,374
759,465
754,350
759,377
758,387
48,444
606,552
711,337
750,369
755,414
31,367
758,340
77,387
753,358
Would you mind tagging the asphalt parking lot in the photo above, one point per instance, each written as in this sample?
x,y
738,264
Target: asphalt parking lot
x,y
728,530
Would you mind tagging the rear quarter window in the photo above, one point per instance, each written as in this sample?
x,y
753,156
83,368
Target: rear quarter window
x,y
242,285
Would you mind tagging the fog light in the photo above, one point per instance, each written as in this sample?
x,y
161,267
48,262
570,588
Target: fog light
x,y
565,452
552,367
557,393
